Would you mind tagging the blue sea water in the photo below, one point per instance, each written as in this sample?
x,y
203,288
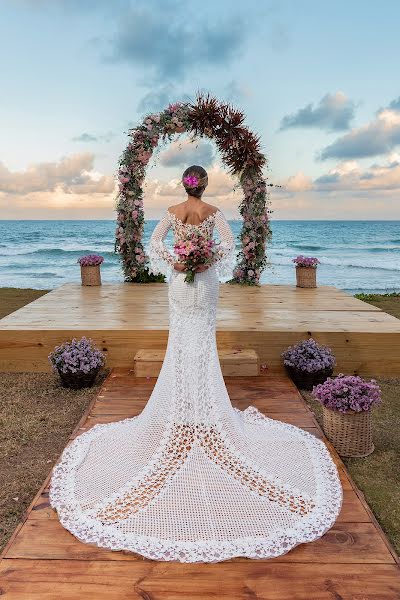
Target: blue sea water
x,y
355,255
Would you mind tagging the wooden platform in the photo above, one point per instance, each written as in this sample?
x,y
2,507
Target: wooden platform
x,y
234,363
124,318
352,561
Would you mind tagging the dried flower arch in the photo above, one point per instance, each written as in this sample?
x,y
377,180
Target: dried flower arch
x,y
240,152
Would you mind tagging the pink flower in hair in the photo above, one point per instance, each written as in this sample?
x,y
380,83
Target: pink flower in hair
x,y
191,181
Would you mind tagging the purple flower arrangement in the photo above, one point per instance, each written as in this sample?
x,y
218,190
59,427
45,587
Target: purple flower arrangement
x,y
90,260
309,356
348,393
306,261
77,357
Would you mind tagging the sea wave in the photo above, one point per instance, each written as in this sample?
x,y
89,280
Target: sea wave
x,y
344,263
58,252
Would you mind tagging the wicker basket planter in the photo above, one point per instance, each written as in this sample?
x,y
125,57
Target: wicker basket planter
x,y
90,275
79,380
350,432
306,277
305,380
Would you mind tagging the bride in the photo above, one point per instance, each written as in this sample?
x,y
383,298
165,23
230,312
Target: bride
x,y
191,478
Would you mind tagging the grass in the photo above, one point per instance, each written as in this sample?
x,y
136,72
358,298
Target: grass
x,y
390,303
37,416
13,298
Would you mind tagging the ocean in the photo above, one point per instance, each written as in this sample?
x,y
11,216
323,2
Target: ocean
x,y
357,256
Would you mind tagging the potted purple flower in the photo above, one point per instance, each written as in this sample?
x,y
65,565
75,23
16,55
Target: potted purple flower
x,y
90,269
308,363
77,362
306,271
346,409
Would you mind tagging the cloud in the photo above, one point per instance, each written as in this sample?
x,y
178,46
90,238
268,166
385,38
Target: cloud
x,y
158,99
347,191
72,174
299,182
90,137
351,177
171,41
186,153
379,136
333,113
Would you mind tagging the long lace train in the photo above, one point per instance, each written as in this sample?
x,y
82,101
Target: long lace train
x,y
192,479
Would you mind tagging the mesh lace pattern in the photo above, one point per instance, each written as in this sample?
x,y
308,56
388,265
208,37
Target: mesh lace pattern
x,y
192,479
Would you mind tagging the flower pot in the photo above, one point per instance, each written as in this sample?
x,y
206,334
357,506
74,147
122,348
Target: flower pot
x,y
79,380
90,275
306,277
350,432
306,380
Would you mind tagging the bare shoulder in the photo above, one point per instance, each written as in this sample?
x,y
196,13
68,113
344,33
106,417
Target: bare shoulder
x,y
176,209
209,209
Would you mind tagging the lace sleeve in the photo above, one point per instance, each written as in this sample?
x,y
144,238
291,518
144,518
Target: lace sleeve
x,y
160,259
225,257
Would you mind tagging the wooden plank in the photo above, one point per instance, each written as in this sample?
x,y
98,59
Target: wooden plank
x,y
117,580
236,362
47,539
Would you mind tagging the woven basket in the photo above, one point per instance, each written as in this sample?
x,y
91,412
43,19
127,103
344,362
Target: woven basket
x,y
305,380
350,433
91,275
79,380
306,277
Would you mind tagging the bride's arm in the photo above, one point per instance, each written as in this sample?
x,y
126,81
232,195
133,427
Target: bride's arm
x,y
161,260
225,257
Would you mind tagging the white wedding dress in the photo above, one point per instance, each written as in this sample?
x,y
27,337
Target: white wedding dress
x,y
191,478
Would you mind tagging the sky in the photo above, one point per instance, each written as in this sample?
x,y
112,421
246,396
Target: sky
x,y
316,80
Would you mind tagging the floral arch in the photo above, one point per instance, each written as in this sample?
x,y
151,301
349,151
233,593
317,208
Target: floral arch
x,y
240,151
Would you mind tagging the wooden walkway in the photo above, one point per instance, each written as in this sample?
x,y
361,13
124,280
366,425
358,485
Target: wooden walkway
x,y
352,561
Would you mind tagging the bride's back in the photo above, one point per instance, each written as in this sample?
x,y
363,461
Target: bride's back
x,y
192,212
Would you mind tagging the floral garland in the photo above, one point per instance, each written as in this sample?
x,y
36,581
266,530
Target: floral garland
x,y
240,151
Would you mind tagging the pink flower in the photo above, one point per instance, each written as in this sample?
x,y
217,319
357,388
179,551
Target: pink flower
x,y
135,214
191,181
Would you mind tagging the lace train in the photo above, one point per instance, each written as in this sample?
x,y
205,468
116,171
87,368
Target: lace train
x,y
191,479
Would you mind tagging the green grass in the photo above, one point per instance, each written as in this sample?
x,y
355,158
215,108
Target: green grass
x,y
389,302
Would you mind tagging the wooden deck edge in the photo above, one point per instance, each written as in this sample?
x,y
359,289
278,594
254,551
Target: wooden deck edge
x,y
28,510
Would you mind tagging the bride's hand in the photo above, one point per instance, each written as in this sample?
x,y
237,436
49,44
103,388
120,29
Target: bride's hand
x,y
179,267
201,268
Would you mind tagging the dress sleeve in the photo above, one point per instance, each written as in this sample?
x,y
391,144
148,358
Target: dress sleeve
x,y
160,259
225,256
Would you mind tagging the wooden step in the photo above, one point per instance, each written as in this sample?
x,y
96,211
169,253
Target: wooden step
x,y
235,362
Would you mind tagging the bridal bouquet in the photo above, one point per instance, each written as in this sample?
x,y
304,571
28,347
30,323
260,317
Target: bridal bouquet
x,y
193,251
